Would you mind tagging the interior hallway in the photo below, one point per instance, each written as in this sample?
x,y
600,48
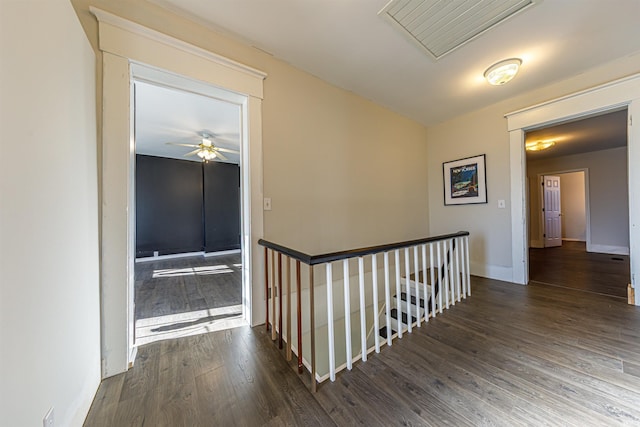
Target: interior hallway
x,y
507,355
571,266
187,296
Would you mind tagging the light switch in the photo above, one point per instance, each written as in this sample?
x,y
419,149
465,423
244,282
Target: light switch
x,y
501,204
267,203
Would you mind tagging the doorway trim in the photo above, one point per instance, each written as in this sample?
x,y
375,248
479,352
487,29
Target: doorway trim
x,y
620,93
124,44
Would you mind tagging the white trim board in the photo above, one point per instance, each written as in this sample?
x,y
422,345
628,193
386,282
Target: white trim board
x,y
608,249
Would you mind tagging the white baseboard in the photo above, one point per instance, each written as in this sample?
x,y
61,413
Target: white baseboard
x,y
170,256
495,272
187,254
536,244
607,249
569,239
220,253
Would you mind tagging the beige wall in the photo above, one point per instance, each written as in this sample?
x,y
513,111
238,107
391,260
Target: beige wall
x,y
49,308
485,131
342,172
608,196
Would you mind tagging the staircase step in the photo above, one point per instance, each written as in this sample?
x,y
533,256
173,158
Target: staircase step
x,y
403,297
394,314
383,332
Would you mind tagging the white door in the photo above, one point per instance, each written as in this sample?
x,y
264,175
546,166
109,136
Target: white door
x,y
552,212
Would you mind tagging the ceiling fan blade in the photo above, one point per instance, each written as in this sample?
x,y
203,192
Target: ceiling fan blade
x,y
191,153
221,156
227,150
182,145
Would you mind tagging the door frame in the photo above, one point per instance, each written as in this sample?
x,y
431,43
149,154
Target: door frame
x,y
617,94
125,45
587,204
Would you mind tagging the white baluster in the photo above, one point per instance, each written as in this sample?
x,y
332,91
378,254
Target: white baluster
x,y
363,313
452,282
466,248
347,311
416,269
445,274
376,320
440,274
464,268
458,285
387,296
407,273
332,350
433,280
424,282
398,295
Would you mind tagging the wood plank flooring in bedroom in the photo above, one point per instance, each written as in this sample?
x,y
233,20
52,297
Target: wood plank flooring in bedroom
x,y
571,266
508,355
186,296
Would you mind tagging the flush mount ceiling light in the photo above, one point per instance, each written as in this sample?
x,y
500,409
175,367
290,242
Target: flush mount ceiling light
x,y
539,145
503,71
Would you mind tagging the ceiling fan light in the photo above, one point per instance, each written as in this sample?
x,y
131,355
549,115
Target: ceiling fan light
x,y
502,72
201,154
206,142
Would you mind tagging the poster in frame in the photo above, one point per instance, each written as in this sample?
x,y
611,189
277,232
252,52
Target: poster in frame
x,y
465,181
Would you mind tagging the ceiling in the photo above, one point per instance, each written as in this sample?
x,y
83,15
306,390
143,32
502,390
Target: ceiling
x,y
591,134
346,43
169,115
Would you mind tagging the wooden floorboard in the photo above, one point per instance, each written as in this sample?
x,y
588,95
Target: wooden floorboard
x,y
571,266
508,355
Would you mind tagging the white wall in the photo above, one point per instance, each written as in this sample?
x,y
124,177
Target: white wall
x,y
572,201
608,196
49,308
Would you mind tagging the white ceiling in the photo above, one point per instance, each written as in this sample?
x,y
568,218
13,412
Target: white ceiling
x,y
346,43
169,115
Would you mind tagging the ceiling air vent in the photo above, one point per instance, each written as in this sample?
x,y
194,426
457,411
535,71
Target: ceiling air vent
x,y
441,26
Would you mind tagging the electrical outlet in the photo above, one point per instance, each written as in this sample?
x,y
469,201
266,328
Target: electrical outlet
x,y
267,203
501,204
47,421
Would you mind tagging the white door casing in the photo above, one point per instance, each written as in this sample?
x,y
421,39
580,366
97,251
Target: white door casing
x,y
123,44
552,211
621,93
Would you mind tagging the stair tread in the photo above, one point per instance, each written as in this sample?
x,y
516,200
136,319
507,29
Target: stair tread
x,y
394,314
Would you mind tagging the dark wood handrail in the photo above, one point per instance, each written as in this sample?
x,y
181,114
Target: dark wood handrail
x,y
336,256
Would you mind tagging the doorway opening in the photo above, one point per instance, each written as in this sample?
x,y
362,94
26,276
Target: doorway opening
x,y
578,205
188,210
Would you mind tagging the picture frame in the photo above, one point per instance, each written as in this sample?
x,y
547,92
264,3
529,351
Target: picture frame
x,y
465,181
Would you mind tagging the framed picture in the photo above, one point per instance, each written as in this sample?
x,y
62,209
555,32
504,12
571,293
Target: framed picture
x,y
465,181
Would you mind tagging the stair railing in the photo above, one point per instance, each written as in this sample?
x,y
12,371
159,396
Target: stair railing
x,y
435,275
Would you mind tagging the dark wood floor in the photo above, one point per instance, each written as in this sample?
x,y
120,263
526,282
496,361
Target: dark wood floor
x,y
570,265
508,355
186,296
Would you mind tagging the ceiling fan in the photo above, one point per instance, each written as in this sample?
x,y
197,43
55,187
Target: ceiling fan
x,y
206,150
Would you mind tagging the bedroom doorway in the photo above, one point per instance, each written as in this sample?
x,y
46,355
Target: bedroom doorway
x,y
578,205
188,269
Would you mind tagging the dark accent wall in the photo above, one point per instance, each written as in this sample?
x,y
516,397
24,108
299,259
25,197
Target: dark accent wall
x,y
221,206
184,206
